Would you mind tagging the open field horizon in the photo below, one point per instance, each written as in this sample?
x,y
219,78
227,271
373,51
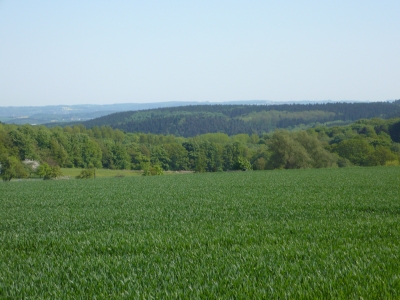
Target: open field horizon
x,y
309,233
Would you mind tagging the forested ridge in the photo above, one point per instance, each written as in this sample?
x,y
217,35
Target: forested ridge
x,y
367,142
189,121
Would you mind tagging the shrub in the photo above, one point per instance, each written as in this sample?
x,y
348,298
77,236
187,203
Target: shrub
x,y
242,164
86,174
53,173
47,172
153,170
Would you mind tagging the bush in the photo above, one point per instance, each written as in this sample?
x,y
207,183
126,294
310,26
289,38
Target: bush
x,y
47,172
242,164
86,174
53,173
153,170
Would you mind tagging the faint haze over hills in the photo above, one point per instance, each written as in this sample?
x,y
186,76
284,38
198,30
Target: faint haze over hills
x,y
102,52
84,112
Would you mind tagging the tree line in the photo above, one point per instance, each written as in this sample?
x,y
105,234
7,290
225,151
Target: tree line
x,y
367,142
189,121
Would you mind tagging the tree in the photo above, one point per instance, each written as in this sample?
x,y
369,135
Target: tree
x,y
160,157
43,170
24,144
380,156
11,168
209,153
287,153
48,172
178,156
259,163
201,164
394,131
30,166
242,164
356,150
320,157
43,137
58,153
91,153
231,154
120,157
191,148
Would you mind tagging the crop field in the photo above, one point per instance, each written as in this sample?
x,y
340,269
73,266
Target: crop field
x,y
315,233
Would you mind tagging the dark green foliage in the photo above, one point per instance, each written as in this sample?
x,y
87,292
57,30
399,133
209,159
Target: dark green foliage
x,y
189,121
363,143
394,131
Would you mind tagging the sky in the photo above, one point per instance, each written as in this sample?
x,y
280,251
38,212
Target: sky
x,y
104,52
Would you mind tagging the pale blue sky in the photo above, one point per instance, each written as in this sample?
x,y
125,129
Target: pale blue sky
x,y
103,52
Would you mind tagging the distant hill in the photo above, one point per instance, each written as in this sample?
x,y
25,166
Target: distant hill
x,y
79,113
70,113
193,120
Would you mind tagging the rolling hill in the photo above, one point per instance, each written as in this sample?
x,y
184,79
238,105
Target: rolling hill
x,y
193,120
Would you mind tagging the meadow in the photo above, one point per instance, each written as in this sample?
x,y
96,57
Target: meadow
x,y
105,173
100,173
310,233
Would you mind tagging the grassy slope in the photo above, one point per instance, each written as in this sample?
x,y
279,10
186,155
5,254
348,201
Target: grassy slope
x,y
329,233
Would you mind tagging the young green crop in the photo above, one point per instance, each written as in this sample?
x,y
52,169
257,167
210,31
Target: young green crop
x,y
321,233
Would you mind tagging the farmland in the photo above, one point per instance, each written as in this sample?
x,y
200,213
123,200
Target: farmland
x,y
310,233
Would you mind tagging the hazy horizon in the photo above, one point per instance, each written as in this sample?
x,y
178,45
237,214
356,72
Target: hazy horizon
x,y
97,52
200,102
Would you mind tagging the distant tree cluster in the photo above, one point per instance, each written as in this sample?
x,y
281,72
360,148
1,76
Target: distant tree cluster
x,y
368,142
189,121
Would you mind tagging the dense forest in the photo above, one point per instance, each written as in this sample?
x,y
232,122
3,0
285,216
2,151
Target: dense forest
x,y
189,121
25,149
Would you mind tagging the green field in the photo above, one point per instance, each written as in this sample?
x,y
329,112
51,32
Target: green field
x,y
104,173
314,233
100,173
